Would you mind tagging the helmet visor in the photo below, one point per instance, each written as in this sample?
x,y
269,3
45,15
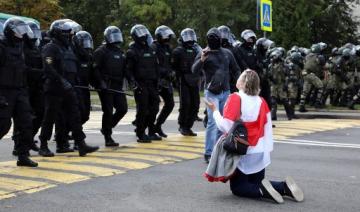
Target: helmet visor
x,y
37,34
21,30
188,35
87,44
167,33
141,31
115,38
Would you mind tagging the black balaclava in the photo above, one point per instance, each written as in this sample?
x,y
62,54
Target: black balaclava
x,y
214,38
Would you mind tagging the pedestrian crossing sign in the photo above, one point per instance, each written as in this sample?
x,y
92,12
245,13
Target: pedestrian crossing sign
x,y
266,15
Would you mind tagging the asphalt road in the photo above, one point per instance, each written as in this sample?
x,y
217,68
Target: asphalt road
x,y
325,164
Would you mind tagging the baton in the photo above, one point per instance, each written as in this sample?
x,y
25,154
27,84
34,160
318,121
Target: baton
x,y
93,89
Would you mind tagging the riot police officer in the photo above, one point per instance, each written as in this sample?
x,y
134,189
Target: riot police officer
x,y
142,66
294,79
161,45
279,84
227,42
60,69
14,99
34,75
109,69
183,57
83,49
312,74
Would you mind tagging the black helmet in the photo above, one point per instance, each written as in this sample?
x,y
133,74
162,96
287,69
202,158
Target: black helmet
x,y
335,51
316,48
164,33
140,34
304,51
1,31
275,55
265,43
83,39
188,35
323,46
248,36
346,53
112,34
60,30
75,27
296,58
282,51
226,35
15,28
35,28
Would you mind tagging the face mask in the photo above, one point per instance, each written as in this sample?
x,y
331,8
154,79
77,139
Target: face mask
x,y
214,43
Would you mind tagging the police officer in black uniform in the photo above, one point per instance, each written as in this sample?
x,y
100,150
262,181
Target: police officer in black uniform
x,y
227,42
83,48
109,68
60,69
183,57
161,45
14,99
142,65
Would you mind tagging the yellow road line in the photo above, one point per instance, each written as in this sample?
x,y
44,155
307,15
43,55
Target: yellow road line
x,y
5,195
61,166
117,154
162,152
9,168
177,143
168,147
97,160
28,186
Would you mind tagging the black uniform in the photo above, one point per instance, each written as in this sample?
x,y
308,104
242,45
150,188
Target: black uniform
x,y
247,58
142,65
182,59
109,69
60,68
14,95
163,53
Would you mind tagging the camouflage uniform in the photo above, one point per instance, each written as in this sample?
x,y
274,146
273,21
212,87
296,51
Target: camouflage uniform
x,y
278,71
312,74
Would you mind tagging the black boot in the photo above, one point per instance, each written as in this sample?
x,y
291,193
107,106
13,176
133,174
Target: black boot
x,y
159,131
143,138
109,141
268,191
34,147
44,150
183,131
152,134
287,109
191,133
85,149
24,160
293,190
63,147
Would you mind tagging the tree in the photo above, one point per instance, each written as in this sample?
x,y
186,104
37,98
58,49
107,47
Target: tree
x,y
45,11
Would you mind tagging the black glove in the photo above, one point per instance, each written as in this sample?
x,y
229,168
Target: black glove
x,y
3,102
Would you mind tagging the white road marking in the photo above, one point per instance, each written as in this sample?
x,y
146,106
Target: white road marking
x,y
318,143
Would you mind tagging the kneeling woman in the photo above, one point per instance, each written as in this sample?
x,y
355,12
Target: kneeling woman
x,y
248,179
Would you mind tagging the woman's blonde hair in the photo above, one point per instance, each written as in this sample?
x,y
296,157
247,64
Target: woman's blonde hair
x,y
249,82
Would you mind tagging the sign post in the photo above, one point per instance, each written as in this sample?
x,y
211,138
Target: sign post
x,y
266,15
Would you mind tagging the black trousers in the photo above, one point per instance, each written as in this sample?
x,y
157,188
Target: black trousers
x,y
189,105
68,105
266,91
109,102
19,110
147,103
36,99
62,125
168,97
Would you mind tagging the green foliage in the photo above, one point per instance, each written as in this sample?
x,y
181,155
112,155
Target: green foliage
x,y
296,22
